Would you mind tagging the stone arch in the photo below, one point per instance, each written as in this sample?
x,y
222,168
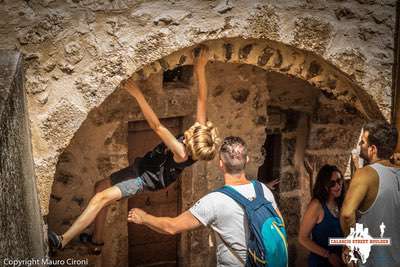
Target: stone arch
x,y
281,58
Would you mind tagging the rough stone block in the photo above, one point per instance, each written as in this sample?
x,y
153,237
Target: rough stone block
x,y
312,33
21,227
333,137
266,54
228,51
351,61
265,22
240,95
61,123
339,160
289,181
288,151
338,114
292,120
314,69
245,51
291,208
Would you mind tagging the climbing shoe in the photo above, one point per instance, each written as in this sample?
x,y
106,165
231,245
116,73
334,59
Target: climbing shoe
x,y
55,241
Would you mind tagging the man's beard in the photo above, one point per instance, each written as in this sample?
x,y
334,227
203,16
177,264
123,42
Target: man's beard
x,y
364,156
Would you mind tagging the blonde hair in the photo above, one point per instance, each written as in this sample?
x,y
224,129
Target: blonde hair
x,y
202,141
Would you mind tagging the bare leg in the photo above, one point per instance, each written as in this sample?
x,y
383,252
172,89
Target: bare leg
x,y
99,201
100,220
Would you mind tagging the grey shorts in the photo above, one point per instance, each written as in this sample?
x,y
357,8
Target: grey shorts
x,y
128,181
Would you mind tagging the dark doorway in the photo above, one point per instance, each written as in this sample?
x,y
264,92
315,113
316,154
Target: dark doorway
x,y
180,77
147,247
271,167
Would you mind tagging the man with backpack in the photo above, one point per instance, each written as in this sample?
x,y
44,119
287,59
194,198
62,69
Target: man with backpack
x,y
247,223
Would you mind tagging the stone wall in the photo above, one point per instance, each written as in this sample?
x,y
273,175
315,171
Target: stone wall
x,y
21,226
77,51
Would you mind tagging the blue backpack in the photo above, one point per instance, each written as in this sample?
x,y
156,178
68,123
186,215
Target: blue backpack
x,y
267,245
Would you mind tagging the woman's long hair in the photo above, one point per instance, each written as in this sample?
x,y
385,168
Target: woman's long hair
x,y
320,190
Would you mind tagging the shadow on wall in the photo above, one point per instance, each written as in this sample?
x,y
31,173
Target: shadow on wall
x,y
21,226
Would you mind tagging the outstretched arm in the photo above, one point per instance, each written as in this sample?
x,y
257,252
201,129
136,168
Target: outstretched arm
x,y
199,67
164,225
166,136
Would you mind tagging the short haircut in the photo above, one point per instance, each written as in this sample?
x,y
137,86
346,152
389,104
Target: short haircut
x,y
382,135
233,154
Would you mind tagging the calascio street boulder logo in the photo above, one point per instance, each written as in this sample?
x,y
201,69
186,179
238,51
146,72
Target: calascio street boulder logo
x,y
359,242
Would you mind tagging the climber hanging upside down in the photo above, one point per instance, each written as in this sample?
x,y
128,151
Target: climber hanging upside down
x,y
155,170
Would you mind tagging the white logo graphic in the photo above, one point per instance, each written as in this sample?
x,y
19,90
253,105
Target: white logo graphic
x,y
360,242
382,227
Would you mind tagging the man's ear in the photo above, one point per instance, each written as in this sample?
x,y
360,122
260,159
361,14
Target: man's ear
x,y
247,159
374,149
221,164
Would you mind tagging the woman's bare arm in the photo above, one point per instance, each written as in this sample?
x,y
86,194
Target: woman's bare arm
x,y
199,67
310,219
166,136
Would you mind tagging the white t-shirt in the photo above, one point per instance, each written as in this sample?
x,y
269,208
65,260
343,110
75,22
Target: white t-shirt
x,y
227,218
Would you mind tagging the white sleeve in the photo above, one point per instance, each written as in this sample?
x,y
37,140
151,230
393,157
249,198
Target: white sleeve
x,y
269,196
204,210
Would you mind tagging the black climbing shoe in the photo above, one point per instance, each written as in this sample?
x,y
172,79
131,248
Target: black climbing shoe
x,y
55,241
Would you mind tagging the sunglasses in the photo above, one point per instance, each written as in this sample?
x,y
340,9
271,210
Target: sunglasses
x,y
332,183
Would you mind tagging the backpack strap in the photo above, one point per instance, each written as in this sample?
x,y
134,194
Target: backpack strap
x,y
260,198
234,252
242,201
258,189
235,195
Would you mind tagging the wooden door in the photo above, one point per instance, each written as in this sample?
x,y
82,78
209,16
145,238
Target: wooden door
x,y
147,247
